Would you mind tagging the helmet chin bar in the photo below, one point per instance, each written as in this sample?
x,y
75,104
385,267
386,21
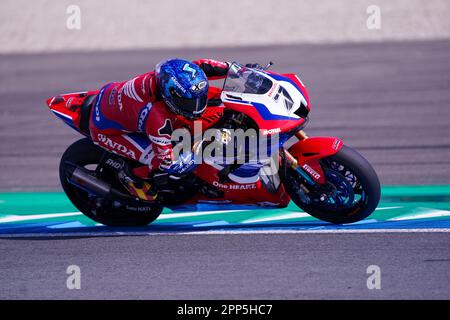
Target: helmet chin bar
x,y
180,112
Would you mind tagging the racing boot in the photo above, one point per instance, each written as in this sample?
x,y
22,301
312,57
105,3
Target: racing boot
x,y
137,183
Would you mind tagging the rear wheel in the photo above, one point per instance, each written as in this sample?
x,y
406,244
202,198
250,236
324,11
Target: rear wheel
x,y
110,212
351,192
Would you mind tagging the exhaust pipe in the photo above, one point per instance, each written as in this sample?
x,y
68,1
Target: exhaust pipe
x,y
83,179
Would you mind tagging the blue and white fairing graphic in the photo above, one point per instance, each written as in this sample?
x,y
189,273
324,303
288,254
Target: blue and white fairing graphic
x,y
276,97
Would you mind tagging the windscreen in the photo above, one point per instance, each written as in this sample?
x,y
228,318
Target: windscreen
x,y
246,80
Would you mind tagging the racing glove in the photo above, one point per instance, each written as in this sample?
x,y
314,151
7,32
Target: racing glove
x,y
183,165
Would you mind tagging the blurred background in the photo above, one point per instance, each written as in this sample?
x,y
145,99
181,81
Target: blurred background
x,y
378,71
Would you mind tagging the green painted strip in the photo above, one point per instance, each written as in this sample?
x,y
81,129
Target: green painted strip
x,y
392,191
23,203
397,201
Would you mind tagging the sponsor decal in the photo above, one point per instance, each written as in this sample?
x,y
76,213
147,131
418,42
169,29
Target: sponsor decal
x,y
116,146
119,99
160,140
192,71
336,144
186,166
69,102
198,86
115,164
147,156
143,114
272,90
138,209
150,84
311,171
97,114
247,186
179,86
143,85
97,104
112,96
271,131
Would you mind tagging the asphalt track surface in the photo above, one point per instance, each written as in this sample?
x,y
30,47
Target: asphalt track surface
x,y
388,100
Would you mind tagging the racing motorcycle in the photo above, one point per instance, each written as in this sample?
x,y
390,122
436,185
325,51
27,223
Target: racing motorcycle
x,y
321,175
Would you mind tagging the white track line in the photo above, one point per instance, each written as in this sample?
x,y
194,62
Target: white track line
x,y
286,216
14,218
166,216
224,232
425,230
432,213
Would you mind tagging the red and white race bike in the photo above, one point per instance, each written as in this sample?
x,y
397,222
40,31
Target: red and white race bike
x,y
322,176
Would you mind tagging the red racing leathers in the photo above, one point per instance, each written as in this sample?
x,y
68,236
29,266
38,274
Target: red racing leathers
x,y
127,115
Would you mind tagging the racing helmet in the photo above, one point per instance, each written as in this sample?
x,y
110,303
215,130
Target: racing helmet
x,y
183,86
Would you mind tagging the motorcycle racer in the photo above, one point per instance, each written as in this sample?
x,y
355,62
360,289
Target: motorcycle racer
x,y
321,175
154,104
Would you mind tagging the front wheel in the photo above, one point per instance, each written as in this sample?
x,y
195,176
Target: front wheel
x,y
351,192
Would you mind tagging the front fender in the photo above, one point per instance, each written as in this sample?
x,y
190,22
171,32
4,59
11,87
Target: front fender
x,y
309,151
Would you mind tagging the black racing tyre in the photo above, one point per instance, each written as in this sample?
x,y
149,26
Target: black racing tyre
x,y
85,153
351,194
